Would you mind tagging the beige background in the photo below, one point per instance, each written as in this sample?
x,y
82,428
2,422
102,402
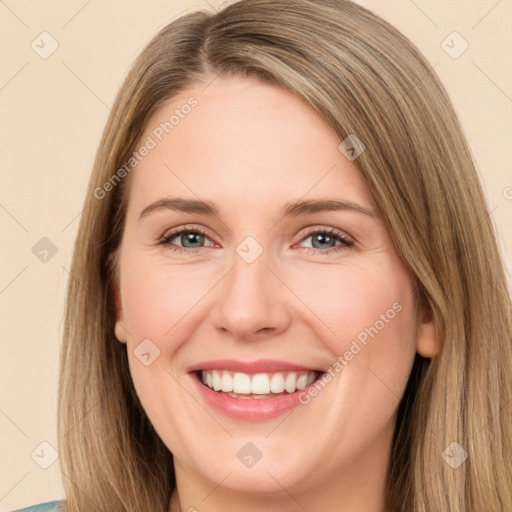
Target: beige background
x,y
53,111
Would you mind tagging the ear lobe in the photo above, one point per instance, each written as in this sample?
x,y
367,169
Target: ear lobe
x,y
427,340
119,330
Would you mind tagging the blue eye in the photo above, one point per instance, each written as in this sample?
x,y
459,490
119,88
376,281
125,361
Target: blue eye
x,y
191,240
327,236
193,236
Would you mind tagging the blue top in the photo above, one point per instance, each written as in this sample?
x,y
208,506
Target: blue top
x,y
49,506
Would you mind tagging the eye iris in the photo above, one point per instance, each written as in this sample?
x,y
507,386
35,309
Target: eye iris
x,y
189,237
323,238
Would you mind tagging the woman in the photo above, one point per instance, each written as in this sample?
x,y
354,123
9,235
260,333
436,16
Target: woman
x,y
218,353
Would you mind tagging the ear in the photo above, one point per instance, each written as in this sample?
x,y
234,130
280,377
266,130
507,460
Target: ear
x,y
120,330
427,339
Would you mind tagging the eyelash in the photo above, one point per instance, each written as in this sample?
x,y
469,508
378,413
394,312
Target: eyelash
x,y
346,243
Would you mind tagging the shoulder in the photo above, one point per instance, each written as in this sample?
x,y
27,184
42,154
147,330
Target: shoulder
x,y
49,506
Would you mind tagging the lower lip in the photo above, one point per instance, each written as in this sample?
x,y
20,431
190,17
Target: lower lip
x,y
249,409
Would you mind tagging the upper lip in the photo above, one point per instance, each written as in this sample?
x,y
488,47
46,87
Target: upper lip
x,y
259,366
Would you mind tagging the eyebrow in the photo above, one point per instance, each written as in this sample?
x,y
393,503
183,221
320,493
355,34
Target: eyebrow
x,y
294,209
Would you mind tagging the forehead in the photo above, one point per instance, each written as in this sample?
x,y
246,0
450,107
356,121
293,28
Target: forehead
x,y
240,141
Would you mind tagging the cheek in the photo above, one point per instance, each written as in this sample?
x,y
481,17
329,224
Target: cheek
x,y
365,315
156,298
156,302
353,302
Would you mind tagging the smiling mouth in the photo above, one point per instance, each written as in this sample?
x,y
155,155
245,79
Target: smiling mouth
x,y
256,385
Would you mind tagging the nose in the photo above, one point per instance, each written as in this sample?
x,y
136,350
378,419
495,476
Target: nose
x,y
253,303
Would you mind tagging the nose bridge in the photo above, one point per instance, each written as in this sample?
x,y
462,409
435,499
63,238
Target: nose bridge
x,y
251,298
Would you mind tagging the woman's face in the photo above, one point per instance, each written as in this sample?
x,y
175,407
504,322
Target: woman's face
x,y
269,292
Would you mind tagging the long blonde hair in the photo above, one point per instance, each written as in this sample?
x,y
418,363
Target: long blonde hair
x,y
363,77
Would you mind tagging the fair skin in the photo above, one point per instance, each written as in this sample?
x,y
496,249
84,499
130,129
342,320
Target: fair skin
x,y
249,148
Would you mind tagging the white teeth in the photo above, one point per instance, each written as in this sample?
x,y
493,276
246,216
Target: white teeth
x,y
301,382
217,384
289,383
260,384
242,383
226,382
277,383
257,384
